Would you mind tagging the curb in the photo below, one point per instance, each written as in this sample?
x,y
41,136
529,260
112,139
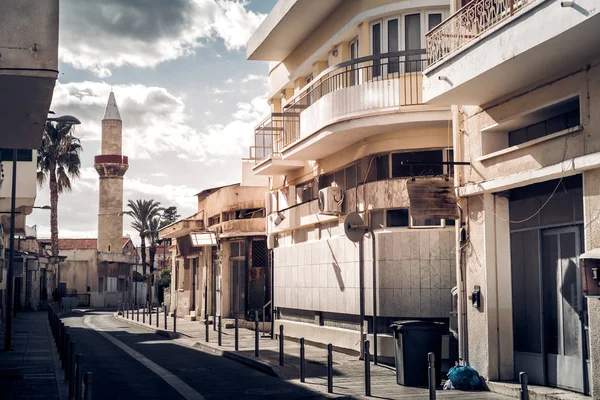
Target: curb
x,y
158,331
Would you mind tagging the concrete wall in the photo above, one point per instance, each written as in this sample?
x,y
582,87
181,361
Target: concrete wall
x,y
110,223
26,184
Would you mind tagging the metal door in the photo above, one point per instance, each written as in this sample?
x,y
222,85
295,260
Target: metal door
x,y
238,287
563,306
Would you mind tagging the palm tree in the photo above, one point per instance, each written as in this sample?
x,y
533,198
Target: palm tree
x,y
143,212
168,216
58,162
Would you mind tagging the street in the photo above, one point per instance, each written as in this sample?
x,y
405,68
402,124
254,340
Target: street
x,y
128,362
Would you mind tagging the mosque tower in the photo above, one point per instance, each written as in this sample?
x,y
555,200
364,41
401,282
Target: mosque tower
x,y
111,166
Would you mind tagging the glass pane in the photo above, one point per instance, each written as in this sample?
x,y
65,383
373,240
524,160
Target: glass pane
x,y
339,179
351,177
526,291
393,45
571,296
376,220
412,40
383,167
434,20
376,48
550,286
427,222
433,159
397,218
235,249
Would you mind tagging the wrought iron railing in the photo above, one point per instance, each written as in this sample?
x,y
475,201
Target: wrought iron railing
x,y
281,130
467,24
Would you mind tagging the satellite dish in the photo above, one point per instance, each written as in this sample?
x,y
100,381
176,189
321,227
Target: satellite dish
x,y
354,227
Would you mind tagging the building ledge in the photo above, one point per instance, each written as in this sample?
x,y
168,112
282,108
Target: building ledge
x,y
508,150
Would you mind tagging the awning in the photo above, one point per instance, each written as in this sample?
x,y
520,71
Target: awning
x,y
203,239
593,254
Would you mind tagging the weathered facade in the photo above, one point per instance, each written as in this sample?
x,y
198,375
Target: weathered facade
x,y
348,119
526,90
221,265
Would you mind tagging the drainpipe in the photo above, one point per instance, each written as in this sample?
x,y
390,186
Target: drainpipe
x,y
361,283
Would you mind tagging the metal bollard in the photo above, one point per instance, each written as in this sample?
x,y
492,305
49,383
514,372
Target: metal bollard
x,y
67,354
214,319
174,320
206,333
127,308
138,312
87,379
237,335
281,349
157,308
78,376
219,336
144,312
256,352
302,361
72,369
367,369
524,381
150,315
329,368
165,315
431,359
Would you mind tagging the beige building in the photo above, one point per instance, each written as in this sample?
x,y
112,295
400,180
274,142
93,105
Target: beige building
x,y
349,132
221,264
524,80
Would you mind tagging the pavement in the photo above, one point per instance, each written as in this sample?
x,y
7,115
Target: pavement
x,y
31,369
348,370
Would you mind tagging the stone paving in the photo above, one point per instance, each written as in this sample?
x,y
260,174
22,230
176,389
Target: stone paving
x,y
31,369
348,375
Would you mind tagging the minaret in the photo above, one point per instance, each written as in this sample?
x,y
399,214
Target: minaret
x,y
111,166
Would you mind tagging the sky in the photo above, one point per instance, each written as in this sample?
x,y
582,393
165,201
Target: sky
x,y
188,98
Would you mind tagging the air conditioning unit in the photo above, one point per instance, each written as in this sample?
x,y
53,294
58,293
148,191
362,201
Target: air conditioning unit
x,y
270,241
330,200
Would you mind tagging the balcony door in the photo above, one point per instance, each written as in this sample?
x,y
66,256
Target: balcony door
x,y
354,67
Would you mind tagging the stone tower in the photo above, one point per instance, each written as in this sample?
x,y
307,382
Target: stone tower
x,y
111,166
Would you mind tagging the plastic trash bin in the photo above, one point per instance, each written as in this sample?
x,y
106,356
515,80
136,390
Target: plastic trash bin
x,y
414,340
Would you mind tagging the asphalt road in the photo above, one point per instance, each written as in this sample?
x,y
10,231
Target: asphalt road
x,y
130,363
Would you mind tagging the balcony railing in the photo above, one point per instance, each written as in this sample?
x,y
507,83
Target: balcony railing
x,y
467,24
394,79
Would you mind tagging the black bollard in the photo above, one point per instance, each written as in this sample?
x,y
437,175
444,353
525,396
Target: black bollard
x,y
78,376
87,379
60,340
329,368
524,381
281,354
237,335
367,369
302,361
157,307
219,336
144,312
431,370
256,352
72,369
67,354
127,308
174,320
138,312
150,315
165,315
206,333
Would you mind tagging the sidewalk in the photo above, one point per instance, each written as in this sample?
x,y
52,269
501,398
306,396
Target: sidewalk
x,y
348,375
32,368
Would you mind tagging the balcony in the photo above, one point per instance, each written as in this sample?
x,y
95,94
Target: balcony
x,y
369,95
502,46
111,159
243,227
111,165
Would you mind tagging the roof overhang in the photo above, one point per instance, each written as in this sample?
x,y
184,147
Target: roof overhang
x,y
202,239
276,166
180,228
293,20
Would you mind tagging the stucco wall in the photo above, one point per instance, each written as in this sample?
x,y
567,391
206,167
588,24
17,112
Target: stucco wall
x,y
112,136
110,223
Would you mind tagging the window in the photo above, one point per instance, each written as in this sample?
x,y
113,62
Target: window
x,y
22,155
351,176
393,40
309,78
376,47
121,285
426,223
566,119
100,284
400,217
431,164
382,165
214,220
237,249
433,20
412,40
325,180
396,218
111,283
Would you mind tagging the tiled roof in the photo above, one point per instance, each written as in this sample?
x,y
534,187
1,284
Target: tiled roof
x,y
79,244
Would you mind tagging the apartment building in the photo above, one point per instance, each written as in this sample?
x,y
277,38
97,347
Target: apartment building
x,y
349,131
220,259
524,82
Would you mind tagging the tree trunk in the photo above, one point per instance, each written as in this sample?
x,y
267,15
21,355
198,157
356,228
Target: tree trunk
x,y
152,257
143,250
53,212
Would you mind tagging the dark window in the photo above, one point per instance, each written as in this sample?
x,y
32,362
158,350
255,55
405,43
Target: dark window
x,y
412,40
434,20
426,222
382,165
376,220
430,163
305,192
450,222
558,123
376,49
351,177
325,180
392,26
22,155
339,179
396,218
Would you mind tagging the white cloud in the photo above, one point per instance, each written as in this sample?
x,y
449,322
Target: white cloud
x,y
252,77
100,35
221,91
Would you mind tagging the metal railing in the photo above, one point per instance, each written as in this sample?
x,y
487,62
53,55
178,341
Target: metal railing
x,y
403,67
467,24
